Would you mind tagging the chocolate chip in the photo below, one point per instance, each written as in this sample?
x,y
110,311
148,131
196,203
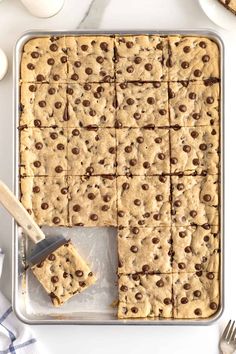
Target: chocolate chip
x,y
133,162
193,213
150,100
76,208
79,273
186,49
185,65
130,69
40,78
137,60
137,116
58,169
30,66
84,47
197,73
135,230
148,66
42,104
51,61
181,265
187,286
182,108
184,300
173,160
213,306
146,164
64,190
197,293
195,162
124,288
159,198
167,301
77,64
33,88
145,186
56,220
52,91
203,44
91,196
134,309
134,249
160,283
192,96
145,268
44,206
137,202
155,240
138,296
56,77
125,186
38,146
88,71
54,279
53,47
205,58
207,198
52,257
197,312
162,112
210,275
130,101
74,77
210,100
121,213
186,148
94,217
36,189
37,164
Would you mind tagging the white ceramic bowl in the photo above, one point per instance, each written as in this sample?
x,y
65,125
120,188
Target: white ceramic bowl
x,y
3,64
219,14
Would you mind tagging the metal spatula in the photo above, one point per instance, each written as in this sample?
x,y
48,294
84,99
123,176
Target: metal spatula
x,y
44,246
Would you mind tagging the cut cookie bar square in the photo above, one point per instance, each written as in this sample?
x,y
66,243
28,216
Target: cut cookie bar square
x,y
91,104
142,105
143,201
140,58
195,200
43,152
46,199
194,104
43,105
143,151
145,250
193,58
230,5
63,274
91,151
92,201
44,60
195,150
195,295
90,58
145,296
196,248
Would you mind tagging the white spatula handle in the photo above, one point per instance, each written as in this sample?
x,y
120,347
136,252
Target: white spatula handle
x,y
20,214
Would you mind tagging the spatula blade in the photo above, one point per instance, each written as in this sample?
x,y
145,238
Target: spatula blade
x,y
44,248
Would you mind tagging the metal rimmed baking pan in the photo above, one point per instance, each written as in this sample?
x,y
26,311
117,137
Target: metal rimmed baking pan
x,y
30,303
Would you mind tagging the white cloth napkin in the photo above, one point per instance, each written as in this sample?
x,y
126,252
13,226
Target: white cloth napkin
x,y
15,337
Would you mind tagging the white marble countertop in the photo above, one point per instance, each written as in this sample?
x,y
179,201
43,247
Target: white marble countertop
x,y
123,14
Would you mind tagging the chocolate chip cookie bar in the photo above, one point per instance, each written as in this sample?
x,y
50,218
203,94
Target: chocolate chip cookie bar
x,y
90,58
193,58
195,295
63,274
91,151
91,105
144,250
195,150
46,199
230,5
44,60
43,152
140,58
143,151
143,201
43,105
143,296
92,201
194,104
142,105
195,248
195,200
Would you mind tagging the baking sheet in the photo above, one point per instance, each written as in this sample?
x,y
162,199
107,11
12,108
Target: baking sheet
x,y
30,302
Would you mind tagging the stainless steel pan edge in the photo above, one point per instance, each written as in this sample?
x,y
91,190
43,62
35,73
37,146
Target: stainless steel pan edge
x,y
18,242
